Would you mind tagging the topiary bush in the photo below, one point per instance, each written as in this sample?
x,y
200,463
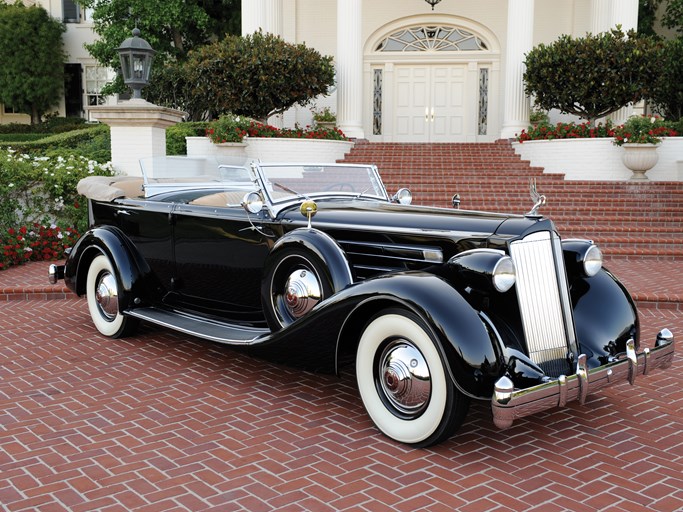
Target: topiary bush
x,y
258,76
591,76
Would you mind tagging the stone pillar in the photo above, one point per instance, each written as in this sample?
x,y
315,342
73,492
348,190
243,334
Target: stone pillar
x,y
624,13
262,14
520,31
138,130
349,68
601,16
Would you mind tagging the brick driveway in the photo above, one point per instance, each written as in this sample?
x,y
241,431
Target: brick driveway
x,y
167,422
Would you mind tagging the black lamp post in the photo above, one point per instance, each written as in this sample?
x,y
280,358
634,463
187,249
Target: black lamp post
x,y
432,3
136,62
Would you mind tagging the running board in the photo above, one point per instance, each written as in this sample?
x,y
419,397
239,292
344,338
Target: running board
x,y
201,327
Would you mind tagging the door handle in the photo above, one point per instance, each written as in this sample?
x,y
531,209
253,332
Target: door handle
x,y
432,114
426,114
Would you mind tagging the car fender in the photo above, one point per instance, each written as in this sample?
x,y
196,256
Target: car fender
x,y
324,247
605,317
131,269
473,357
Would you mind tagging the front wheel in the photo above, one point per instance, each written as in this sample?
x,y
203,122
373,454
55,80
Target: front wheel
x,y
103,300
404,383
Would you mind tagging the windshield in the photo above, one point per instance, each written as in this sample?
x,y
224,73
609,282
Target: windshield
x,y
286,182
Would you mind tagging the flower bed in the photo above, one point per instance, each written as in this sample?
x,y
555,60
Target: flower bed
x,y
36,243
236,136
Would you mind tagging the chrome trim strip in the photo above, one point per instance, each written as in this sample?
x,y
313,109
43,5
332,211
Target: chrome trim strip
x,y
524,402
632,361
582,375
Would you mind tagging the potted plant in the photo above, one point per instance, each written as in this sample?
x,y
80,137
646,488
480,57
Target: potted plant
x,y
538,117
324,118
640,136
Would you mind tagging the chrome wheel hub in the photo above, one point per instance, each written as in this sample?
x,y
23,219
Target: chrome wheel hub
x,y
404,377
106,295
302,292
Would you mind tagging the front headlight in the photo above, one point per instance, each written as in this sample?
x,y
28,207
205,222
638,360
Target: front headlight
x,y
485,269
582,257
592,260
504,275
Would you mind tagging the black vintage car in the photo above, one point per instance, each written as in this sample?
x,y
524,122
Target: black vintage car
x,y
317,266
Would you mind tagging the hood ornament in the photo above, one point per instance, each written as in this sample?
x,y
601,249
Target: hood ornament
x,y
538,199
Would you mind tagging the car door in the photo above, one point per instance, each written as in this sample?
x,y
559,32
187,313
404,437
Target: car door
x,y
219,258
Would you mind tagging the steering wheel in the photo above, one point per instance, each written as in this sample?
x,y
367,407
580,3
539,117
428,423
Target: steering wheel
x,y
340,186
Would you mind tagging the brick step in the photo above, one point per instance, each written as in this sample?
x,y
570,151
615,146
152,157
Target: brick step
x,y
674,230
645,225
595,201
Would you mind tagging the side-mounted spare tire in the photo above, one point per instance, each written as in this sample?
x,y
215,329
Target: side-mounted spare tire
x,y
305,268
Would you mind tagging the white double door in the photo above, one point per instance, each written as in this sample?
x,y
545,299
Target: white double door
x,y
430,103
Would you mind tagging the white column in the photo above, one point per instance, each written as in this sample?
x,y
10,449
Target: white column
x,y
520,31
349,68
262,14
624,13
601,16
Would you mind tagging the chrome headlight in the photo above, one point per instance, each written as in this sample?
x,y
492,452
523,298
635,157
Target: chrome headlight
x,y
504,275
485,269
592,260
582,257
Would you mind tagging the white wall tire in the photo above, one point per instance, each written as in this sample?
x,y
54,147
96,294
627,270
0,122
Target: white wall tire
x,y
106,317
409,420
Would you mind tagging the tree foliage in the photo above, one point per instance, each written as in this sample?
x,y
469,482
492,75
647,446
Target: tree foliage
x,y
259,75
32,57
666,95
171,27
591,76
673,16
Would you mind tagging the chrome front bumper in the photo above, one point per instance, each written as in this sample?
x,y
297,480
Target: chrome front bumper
x,y
509,404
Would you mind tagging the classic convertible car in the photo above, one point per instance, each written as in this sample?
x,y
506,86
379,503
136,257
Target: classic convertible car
x,y
317,266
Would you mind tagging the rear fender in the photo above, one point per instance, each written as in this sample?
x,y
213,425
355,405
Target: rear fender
x,y
132,271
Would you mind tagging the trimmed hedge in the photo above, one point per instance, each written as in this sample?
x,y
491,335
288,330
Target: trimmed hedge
x,y
175,136
92,142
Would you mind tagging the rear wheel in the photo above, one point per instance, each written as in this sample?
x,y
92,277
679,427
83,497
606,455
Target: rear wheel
x,y
404,383
103,300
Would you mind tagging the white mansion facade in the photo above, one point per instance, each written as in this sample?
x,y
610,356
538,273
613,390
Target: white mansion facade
x,y
410,73
405,71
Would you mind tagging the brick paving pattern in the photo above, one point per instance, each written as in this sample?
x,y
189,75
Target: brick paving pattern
x,y
163,421
166,422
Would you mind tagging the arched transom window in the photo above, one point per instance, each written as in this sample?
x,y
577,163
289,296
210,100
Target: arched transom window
x,y
432,38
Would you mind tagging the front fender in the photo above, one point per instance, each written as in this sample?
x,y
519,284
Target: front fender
x,y
323,246
473,356
605,317
328,335
131,269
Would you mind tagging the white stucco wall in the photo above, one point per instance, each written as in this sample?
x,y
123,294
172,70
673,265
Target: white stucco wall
x,y
599,159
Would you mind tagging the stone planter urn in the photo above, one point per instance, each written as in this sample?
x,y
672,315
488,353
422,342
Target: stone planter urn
x,y
640,158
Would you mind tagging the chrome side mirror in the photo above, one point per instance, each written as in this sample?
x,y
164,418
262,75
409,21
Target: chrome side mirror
x,y
402,196
252,202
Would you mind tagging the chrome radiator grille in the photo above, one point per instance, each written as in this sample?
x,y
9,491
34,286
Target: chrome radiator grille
x,y
544,301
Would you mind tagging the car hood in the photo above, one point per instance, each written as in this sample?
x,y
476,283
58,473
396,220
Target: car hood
x,y
430,222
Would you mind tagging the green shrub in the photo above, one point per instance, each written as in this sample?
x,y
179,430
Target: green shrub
x,y
20,137
258,75
16,128
591,76
42,189
175,136
89,142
